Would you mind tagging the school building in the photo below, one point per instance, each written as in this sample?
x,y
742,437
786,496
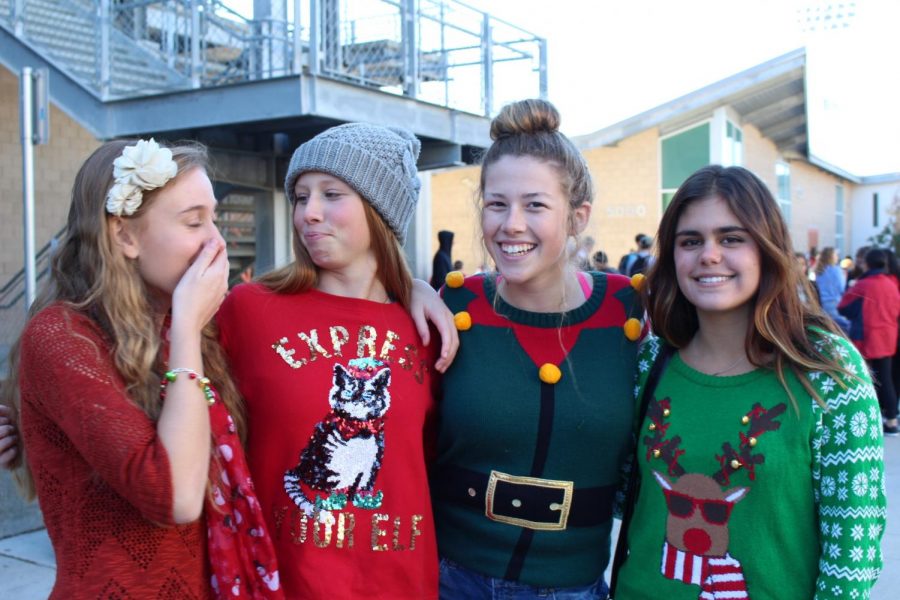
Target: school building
x,y
756,119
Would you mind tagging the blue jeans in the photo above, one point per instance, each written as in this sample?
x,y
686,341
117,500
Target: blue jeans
x,y
460,583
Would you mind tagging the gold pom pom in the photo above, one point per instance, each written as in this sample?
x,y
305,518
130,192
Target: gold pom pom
x,y
454,279
462,320
549,373
632,329
637,281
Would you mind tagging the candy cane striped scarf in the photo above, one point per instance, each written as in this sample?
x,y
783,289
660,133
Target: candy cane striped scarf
x,y
719,578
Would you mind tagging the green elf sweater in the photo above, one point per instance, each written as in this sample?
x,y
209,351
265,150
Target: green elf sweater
x,y
745,496
527,469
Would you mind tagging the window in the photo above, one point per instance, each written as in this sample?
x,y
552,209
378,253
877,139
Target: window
x,y
682,154
839,219
875,210
783,175
733,152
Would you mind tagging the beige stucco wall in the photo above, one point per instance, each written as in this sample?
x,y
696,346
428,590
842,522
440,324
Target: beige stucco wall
x,y
627,201
813,208
55,166
454,208
760,156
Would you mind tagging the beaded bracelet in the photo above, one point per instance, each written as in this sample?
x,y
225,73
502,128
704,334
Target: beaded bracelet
x,y
202,382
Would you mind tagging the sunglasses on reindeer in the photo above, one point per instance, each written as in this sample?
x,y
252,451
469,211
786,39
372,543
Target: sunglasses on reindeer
x,y
715,512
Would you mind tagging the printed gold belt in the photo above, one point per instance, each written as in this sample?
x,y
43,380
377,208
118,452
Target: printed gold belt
x,y
530,502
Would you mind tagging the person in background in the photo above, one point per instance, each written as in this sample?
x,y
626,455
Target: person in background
x,y
830,284
760,457
803,287
626,261
443,262
536,412
131,424
585,247
601,262
643,259
872,306
857,268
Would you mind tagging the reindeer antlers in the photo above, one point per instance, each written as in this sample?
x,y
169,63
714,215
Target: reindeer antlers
x,y
759,420
657,445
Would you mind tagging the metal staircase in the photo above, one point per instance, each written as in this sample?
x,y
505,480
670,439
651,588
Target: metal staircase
x,y
65,31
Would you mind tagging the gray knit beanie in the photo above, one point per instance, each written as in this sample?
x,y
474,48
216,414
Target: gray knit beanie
x,y
378,162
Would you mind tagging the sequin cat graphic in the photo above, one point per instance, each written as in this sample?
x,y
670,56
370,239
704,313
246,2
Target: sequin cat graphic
x,y
345,450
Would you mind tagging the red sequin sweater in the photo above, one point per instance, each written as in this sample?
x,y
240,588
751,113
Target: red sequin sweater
x,y
339,400
102,474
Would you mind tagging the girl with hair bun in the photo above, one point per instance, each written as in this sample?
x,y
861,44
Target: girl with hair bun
x,y
119,387
536,410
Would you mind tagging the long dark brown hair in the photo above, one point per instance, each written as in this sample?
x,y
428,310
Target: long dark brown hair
x,y
91,277
778,334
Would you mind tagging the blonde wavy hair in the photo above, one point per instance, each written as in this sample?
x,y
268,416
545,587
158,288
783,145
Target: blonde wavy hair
x,y
91,277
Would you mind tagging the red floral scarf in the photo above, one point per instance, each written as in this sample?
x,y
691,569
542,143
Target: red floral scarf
x,y
241,557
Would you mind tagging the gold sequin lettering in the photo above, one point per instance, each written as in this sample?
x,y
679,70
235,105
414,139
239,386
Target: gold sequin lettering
x,y
389,338
339,337
278,518
317,539
416,532
411,352
396,537
287,355
315,349
377,532
365,341
298,527
345,529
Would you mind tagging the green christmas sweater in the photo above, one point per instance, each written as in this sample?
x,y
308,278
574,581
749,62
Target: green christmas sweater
x,y
745,494
535,419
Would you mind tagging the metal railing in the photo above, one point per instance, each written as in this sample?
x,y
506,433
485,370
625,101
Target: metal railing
x,y
439,51
13,311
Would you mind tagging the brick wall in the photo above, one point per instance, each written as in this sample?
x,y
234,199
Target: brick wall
x,y
55,165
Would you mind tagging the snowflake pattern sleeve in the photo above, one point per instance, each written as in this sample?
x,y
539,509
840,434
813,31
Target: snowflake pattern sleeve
x,y
848,471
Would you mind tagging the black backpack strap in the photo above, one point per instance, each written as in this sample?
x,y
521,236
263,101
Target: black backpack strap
x,y
634,481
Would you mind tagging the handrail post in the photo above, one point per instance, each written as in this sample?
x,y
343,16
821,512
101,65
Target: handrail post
x,y
542,69
297,61
409,15
18,17
103,58
26,83
195,44
315,31
487,60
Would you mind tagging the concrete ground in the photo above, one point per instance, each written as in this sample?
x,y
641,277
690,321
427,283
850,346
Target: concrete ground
x,y
27,565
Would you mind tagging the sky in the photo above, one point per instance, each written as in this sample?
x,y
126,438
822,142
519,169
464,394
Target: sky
x,y
612,59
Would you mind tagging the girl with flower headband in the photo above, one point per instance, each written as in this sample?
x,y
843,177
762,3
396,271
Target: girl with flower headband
x,y
338,385
536,411
130,422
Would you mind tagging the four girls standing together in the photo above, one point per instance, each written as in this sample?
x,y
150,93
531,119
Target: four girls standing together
x,y
745,422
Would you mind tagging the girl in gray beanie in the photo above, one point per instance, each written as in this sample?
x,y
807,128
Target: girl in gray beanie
x,y
337,378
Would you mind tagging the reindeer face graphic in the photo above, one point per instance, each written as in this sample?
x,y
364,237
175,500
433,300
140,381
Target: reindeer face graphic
x,y
698,513
699,506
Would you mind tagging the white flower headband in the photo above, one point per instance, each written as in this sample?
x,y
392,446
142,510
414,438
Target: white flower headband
x,y
141,168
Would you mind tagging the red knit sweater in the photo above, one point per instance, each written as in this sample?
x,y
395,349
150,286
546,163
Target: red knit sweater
x,y
102,474
309,366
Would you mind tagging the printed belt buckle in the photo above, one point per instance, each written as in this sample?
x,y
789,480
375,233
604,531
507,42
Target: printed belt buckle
x,y
563,506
